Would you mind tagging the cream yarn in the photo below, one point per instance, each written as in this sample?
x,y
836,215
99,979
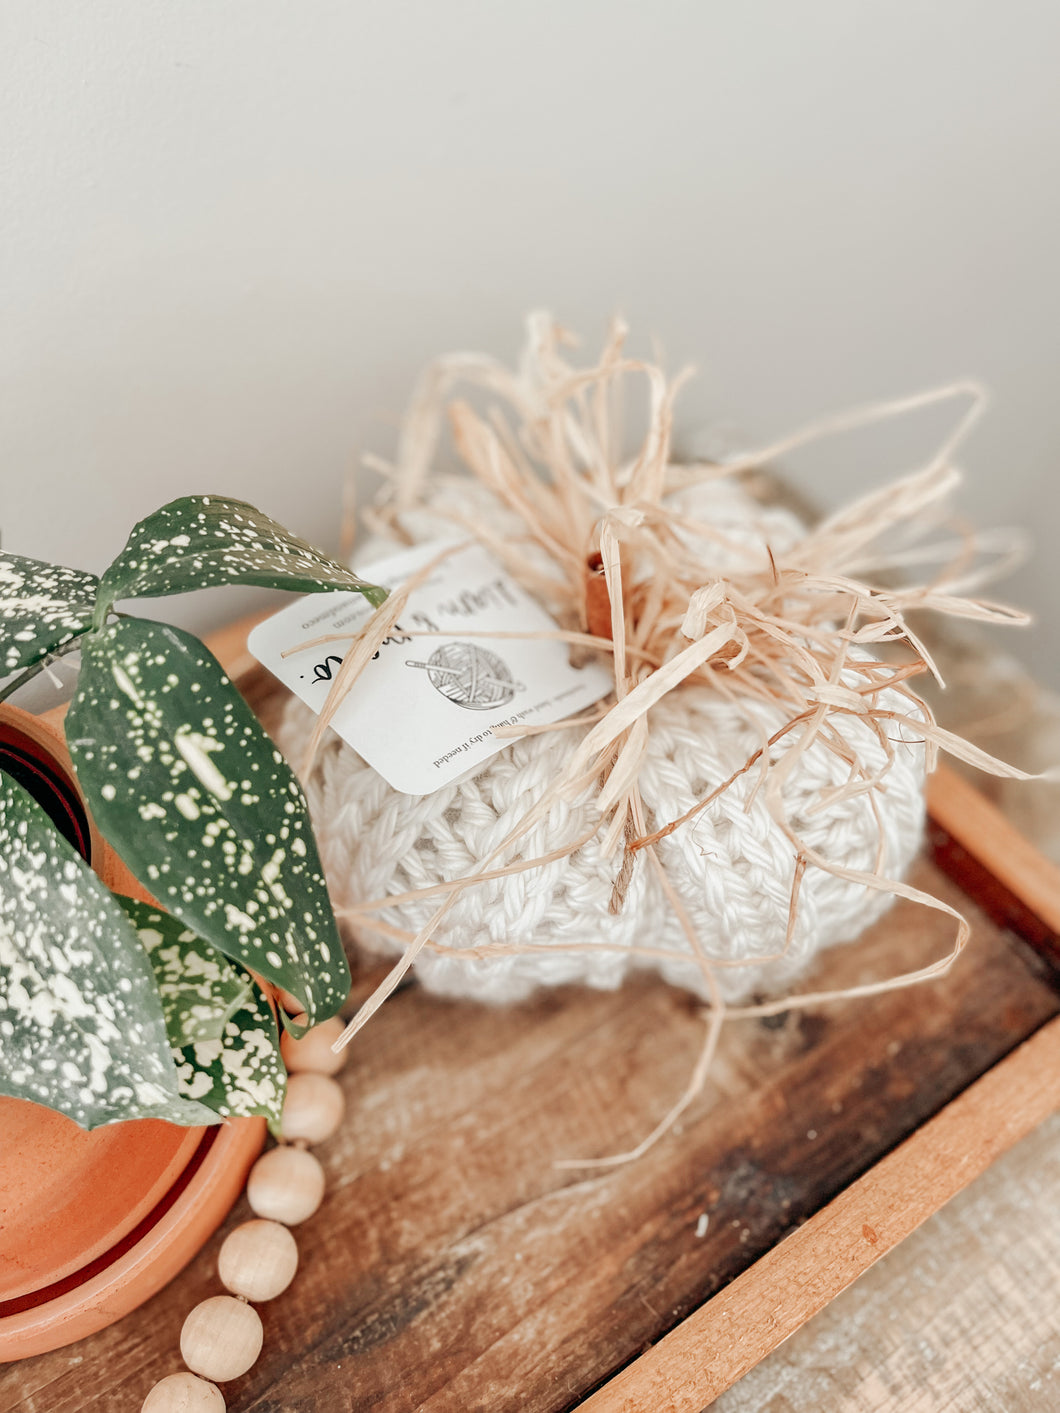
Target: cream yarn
x,y
732,867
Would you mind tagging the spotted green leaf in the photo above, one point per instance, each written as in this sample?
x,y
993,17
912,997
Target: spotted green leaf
x,y
185,784
221,1029
200,989
42,606
81,1028
199,542
241,1073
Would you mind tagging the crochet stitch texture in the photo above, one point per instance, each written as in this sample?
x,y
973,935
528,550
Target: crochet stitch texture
x,y
732,866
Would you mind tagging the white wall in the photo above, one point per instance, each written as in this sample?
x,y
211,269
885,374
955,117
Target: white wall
x,y
232,230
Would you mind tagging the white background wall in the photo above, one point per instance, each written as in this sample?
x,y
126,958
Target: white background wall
x,y
232,230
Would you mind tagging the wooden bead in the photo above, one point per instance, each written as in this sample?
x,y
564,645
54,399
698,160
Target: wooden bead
x,y
313,1108
258,1260
313,1051
221,1338
183,1393
285,1185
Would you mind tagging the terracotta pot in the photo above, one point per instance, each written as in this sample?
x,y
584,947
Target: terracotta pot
x,y
92,1224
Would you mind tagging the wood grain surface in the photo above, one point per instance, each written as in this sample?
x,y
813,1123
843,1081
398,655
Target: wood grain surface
x,y
453,1267
727,1337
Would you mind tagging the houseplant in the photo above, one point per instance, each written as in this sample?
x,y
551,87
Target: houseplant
x,y
155,865
115,1008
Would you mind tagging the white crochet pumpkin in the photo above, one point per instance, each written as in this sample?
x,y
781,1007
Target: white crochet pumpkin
x,y
732,867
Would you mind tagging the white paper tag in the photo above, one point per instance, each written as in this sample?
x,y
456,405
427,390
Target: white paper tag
x,y
423,711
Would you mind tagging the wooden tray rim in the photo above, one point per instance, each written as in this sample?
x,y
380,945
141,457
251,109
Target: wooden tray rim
x,y
729,1334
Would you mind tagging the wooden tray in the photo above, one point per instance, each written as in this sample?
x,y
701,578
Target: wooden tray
x,y
454,1268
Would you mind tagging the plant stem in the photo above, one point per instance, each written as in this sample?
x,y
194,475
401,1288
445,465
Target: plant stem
x,y
28,673
52,655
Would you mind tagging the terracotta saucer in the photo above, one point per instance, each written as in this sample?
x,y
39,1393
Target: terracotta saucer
x,y
67,1196
93,1224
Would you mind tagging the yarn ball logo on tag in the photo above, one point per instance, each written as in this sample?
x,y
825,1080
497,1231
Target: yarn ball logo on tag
x,y
469,676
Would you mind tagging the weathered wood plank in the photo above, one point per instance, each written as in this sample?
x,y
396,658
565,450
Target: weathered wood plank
x,y
719,1343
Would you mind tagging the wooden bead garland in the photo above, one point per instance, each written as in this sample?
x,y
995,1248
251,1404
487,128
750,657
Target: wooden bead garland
x,y
222,1336
313,1109
313,1051
258,1260
183,1393
285,1185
